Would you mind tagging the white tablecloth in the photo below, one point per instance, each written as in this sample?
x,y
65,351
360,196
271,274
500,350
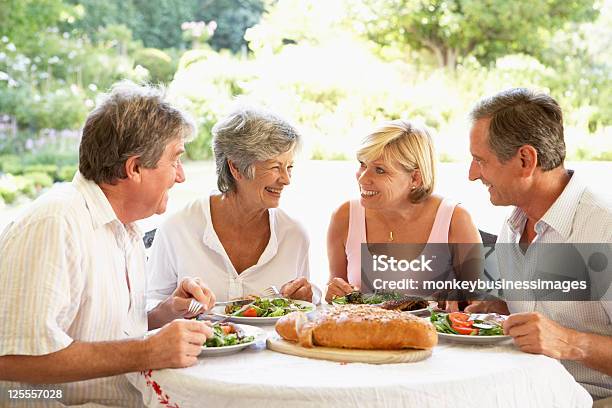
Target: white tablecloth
x,y
454,376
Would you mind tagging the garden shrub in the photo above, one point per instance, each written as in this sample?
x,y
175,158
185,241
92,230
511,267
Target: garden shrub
x,y
7,196
8,188
160,65
10,163
40,180
66,173
50,170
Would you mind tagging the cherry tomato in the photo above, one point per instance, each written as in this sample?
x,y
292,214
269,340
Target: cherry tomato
x,y
250,312
460,319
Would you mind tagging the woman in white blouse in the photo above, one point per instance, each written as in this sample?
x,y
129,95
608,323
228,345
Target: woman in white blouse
x,y
236,239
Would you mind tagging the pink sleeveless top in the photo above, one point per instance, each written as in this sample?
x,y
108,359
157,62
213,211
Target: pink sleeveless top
x,y
357,236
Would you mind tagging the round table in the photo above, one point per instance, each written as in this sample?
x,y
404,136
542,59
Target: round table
x,y
454,376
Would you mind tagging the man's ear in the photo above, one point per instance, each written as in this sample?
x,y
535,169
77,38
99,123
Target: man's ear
x,y
133,168
528,157
234,170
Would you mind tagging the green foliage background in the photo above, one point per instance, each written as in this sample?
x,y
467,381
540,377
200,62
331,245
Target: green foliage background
x,y
334,67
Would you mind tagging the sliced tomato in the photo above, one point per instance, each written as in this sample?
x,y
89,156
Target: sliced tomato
x,y
250,312
460,319
464,330
227,329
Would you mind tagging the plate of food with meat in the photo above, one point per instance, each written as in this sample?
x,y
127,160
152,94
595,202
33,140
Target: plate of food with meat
x,y
386,300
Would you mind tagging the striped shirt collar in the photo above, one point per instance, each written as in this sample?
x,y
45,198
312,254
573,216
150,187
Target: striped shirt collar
x,y
100,209
560,215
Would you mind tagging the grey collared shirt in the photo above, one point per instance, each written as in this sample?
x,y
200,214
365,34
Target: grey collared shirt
x,y
579,215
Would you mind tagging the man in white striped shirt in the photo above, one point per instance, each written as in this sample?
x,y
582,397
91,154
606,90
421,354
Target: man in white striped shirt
x,y
518,151
72,310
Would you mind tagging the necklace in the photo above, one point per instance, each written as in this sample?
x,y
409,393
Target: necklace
x,y
382,218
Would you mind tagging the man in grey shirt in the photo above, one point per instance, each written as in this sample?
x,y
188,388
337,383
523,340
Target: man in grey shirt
x,y
518,149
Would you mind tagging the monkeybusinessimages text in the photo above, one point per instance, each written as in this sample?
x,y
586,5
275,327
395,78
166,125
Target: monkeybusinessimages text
x,y
385,263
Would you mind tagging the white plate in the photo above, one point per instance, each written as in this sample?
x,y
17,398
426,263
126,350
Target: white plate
x,y
416,312
462,338
219,311
256,332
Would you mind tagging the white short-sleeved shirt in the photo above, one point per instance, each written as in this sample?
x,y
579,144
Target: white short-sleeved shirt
x,y
186,245
63,278
577,216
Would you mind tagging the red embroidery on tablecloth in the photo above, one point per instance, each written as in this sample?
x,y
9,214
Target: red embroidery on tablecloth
x,y
162,397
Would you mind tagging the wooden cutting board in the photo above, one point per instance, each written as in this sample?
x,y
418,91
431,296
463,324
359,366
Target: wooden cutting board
x,y
275,343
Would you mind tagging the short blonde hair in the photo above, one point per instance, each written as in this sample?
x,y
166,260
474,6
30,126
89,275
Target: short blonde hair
x,y
409,145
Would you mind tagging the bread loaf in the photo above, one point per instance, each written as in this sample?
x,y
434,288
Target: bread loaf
x,y
358,327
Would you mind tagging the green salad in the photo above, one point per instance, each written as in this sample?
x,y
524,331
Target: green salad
x,y
226,334
268,307
359,298
489,324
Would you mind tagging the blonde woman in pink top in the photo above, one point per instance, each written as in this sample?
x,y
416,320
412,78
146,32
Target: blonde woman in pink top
x,y
396,179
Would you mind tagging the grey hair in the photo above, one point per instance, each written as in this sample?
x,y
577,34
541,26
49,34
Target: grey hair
x,y
519,117
130,120
248,135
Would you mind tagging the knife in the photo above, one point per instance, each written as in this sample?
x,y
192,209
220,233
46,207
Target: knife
x,y
235,314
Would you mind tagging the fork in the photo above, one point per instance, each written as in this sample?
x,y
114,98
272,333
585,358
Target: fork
x,y
194,307
271,292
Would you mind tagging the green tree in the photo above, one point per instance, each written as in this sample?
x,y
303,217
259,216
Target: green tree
x,y
160,65
22,21
583,57
301,22
90,16
156,23
233,18
455,29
